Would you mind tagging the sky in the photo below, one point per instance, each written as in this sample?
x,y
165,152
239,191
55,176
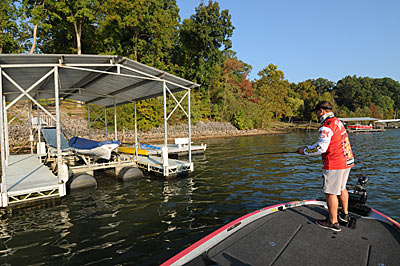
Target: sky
x,y
309,39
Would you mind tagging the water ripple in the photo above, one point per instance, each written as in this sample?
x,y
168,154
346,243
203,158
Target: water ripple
x,y
145,222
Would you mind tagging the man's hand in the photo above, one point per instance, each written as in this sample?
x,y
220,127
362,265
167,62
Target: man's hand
x,y
300,150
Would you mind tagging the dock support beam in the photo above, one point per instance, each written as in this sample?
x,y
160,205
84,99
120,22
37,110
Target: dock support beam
x,y
189,133
115,121
4,197
88,112
105,121
30,125
39,125
136,137
6,141
165,148
58,126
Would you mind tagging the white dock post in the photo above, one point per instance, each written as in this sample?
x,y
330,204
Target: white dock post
x,y
105,121
60,169
88,110
4,197
165,148
6,141
30,125
115,109
115,121
136,139
190,133
39,125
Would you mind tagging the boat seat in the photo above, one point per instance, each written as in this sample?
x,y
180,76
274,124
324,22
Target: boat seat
x,y
50,138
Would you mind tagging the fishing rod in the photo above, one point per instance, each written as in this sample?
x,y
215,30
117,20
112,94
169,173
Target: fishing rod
x,y
265,153
274,153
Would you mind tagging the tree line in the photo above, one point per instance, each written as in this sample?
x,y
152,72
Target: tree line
x,y
198,48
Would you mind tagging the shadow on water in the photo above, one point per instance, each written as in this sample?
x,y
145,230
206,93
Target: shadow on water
x,y
144,222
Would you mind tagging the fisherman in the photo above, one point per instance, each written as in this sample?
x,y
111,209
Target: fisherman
x,y
334,146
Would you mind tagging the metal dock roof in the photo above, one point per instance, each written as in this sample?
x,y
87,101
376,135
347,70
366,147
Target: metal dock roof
x,y
97,79
356,119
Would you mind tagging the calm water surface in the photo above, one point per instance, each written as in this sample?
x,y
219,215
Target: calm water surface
x,y
147,221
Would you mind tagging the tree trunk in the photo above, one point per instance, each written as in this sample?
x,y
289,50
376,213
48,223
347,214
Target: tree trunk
x,y
224,104
34,39
78,37
135,55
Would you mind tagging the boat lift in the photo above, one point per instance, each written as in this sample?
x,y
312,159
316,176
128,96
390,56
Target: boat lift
x,y
101,80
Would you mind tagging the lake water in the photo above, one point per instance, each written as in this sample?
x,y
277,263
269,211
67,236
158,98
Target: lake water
x,y
145,222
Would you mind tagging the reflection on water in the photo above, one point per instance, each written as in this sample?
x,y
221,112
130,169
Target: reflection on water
x,y
145,222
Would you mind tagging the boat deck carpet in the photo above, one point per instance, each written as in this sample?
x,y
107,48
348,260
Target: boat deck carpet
x,y
291,237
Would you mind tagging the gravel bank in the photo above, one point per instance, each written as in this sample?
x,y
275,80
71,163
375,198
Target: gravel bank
x,y
19,132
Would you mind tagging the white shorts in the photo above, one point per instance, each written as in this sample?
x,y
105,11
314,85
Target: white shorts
x,y
334,181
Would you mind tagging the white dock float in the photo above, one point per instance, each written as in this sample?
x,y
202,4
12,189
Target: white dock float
x,y
155,164
29,179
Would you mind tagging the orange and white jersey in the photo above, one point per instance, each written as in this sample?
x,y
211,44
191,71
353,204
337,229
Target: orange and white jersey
x,y
333,144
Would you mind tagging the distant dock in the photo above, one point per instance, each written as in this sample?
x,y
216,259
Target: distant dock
x,y
365,130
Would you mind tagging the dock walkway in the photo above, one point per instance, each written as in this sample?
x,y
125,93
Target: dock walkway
x,y
155,164
29,179
176,150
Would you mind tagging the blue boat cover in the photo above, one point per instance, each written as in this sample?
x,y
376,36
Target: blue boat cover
x,y
50,137
144,146
87,144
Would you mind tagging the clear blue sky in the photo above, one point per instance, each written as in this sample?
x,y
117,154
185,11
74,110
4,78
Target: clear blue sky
x,y
308,39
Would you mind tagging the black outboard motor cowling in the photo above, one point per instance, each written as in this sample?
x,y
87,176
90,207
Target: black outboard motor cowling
x,y
358,197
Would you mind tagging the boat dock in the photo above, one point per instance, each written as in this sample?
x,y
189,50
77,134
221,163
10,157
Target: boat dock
x,y
358,124
96,81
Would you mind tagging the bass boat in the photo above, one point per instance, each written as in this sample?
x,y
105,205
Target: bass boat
x,y
358,126
286,234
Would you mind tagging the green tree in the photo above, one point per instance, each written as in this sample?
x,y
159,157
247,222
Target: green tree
x,y
322,85
231,89
35,14
307,92
72,27
10,34
203,40
145,31
272,89
353,92
295,105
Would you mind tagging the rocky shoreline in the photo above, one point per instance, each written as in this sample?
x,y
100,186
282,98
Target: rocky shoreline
x,y
19,132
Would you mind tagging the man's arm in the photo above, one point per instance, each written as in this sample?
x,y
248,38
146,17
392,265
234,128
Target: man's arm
x,y
321,146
